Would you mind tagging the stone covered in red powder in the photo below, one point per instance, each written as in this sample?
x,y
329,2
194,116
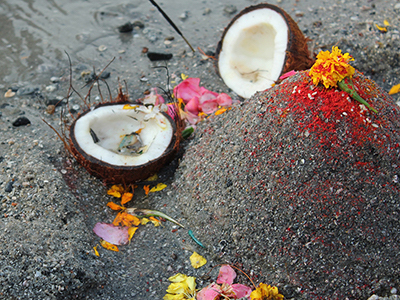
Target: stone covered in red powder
x,y
300,184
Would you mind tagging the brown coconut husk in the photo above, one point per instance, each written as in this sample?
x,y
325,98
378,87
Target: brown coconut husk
x,y
123,174
298,57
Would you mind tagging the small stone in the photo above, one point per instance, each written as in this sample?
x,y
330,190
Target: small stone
x,y
207,11
26,91
21,121
397,6
127,27
9,186
50,109
102,48
55,79
138,24
105,75
183,16
51,88
230,9
9,93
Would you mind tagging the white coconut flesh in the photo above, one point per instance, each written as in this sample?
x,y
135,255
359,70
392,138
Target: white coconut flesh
x,y
100,133
253,51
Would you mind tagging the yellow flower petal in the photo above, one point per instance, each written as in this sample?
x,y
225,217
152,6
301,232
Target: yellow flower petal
x,y
386,23
178,278
144,221
152,178
264,291
95,250
128,106
395,89
155,221
177,288
131,232
116,191
197,260
109,246
174,297
184,77
126,197
381,29
158,187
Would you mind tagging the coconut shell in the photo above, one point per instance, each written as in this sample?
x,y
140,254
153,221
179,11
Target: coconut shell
x,y
297,54
123,174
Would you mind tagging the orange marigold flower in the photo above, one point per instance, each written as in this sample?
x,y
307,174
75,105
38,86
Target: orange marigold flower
x,y
331,67
125,219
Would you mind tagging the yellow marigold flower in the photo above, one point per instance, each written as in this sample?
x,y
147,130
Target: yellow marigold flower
x,y
266,292
331,67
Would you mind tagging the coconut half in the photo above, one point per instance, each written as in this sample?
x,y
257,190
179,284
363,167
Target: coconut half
x,y
259,44
124,143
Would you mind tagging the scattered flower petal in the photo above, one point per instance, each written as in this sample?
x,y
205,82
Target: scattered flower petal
x,y
131,232
128,106
108,246
226,275
197,260
158,187
220,111
146,189
183,287
386,23
95,250
152,178
144,221
395,89
155,221
125,219
380,28
113,234
210,292
114,206
287,74
126,197
264,291
116,191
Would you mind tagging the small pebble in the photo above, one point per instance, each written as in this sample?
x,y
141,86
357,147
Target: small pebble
x,y
50,109
9,93
55,79
230,9
138,24
51,88
26,91
127,27
183,16
102,48
207,11
9,187
21,121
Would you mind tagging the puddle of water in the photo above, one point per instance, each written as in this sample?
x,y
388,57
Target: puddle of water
x,y
37,33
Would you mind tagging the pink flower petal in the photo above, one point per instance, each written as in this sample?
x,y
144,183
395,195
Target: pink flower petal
x,y
188,89
113,234
207,96
226,275
224,100
193,106
287,74
241,291
209,107
210,292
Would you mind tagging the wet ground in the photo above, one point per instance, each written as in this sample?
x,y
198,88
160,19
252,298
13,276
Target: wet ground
x,y
50,204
